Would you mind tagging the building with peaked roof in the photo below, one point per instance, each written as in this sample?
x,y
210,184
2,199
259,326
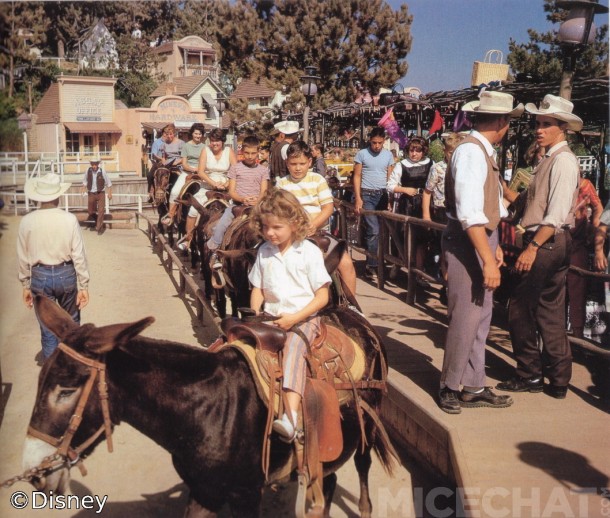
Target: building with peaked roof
x,y
201,93
97,48
259,95
190,56
75,119
79,118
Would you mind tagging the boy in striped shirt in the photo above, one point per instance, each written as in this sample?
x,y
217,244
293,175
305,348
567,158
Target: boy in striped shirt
x,y
248,181
312,191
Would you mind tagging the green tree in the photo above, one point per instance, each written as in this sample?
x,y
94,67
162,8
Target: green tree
x,y
22,26
361,40
541,57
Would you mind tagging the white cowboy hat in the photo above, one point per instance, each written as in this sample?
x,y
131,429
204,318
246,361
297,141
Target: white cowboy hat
x,y
95,160
557,108
287,127
46,188
495,103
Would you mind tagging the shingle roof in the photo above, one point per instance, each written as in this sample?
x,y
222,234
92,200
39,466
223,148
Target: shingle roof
x,y
252,88
167,46
184,86
48,107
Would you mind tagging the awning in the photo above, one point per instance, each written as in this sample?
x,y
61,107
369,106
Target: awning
x,y
92,127
157,126
197,50
209,99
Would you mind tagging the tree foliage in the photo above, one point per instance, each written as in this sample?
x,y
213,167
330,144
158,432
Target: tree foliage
x,y
541,57
355,41
22,26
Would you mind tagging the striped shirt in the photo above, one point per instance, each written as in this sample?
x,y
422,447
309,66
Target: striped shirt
x,y
248,180
312,191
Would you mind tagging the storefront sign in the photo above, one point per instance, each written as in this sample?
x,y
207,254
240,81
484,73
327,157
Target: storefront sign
x,y
173,110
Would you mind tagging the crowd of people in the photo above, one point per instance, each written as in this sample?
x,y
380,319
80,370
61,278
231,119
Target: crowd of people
x,y
286,183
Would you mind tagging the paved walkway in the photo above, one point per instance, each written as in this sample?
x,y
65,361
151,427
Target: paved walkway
x,y
541,457
128,283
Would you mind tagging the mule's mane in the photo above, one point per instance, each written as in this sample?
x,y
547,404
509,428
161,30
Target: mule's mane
x,y
167,354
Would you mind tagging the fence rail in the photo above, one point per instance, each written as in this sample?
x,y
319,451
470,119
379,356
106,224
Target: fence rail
x,y
22,204
348,222
186,282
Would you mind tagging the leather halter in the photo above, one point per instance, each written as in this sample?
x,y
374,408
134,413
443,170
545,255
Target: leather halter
x,y
71,455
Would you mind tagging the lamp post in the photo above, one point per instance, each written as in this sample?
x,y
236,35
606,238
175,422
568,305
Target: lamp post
x,y
309,88
56,121
220,106
575,32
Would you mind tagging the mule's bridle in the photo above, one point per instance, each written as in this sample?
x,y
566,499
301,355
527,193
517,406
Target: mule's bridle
x,y
66,455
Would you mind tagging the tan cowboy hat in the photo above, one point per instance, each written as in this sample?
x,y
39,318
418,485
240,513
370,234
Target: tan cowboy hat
x,y
557,108
495,103
46,188
287,127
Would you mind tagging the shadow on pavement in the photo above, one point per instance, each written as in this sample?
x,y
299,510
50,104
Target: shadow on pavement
x,y
572,469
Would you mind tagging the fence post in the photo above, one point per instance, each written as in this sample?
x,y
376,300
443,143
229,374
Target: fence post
x,y
382,246
411,276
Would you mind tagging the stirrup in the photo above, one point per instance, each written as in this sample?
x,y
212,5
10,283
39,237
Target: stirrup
x,y
218,279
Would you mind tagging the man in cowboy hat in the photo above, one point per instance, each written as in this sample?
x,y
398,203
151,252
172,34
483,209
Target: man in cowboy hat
x,y
286,133
537,303
95,182
473,196
51,254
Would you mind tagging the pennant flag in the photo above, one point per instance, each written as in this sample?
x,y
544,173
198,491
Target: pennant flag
x,y
437,123
388,122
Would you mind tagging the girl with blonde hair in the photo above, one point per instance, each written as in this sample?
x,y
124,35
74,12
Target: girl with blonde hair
x,y
289,281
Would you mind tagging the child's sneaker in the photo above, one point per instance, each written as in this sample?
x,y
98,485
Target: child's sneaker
x,y
215,262
284,428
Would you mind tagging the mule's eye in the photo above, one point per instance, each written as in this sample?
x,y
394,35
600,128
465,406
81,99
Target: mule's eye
x,y
65,393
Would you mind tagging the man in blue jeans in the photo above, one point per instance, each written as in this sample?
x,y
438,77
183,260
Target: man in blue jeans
x,y
51,254
372,167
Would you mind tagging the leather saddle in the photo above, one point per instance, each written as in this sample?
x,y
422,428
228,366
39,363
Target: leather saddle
x,y
332,358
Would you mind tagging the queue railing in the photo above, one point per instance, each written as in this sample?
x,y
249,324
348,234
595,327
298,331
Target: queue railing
x,y
172,263
395,225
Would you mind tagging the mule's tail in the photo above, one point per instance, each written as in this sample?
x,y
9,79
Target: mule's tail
x,y
380,441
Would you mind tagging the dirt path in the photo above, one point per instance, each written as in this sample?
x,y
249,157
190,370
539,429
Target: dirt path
x,y
129,283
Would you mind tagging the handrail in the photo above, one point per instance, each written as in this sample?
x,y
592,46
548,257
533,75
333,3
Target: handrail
x,y
187,283
406,260
65,204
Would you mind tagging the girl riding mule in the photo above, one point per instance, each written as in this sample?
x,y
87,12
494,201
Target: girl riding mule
x,y
202,407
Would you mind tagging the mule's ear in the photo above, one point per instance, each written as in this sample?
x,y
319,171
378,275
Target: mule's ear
x,y
58,321
251,255
332,259
104,339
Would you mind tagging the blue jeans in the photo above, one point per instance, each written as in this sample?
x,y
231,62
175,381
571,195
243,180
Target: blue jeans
x,y
221,228
57,283
373,200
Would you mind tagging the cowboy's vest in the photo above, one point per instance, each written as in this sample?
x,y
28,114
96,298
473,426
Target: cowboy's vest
x,y
538,192
277,165
99,180
491,187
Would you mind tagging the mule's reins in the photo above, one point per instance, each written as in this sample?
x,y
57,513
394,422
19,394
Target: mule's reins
x,y
66,455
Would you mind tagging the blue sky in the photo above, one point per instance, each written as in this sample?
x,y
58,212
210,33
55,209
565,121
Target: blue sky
x,y
449,35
